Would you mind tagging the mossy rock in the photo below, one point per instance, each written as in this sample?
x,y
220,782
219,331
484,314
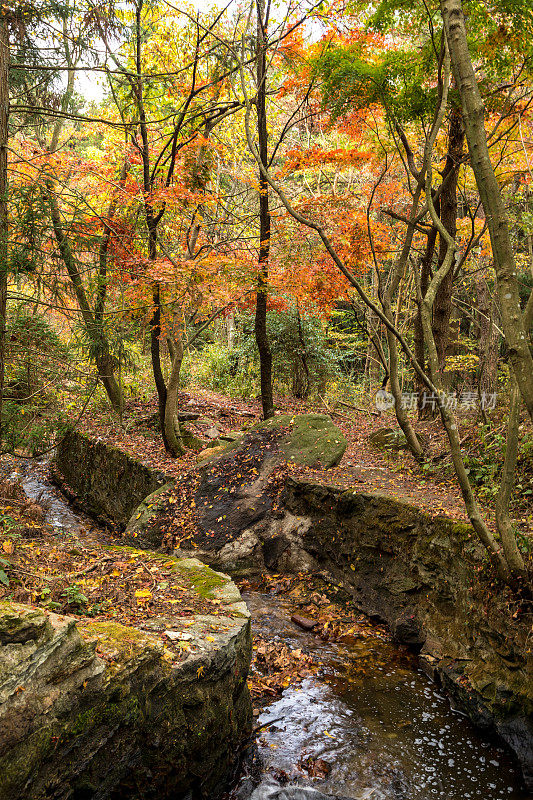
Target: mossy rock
x,y
313,440
218,447
190,440
139,529
229,491
94,703
388,439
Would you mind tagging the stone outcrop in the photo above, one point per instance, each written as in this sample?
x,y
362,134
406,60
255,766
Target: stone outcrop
x,y
92,709
236,524
311,439
103,480
424,576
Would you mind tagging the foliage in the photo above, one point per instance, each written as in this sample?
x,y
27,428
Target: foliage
x,y
133,221
75,597
304,360
40,381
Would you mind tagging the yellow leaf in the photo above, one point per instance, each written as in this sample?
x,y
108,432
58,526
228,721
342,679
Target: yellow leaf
x,y
8,547
143,594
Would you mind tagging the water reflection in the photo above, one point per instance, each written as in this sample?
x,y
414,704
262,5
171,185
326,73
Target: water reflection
x,y
383,728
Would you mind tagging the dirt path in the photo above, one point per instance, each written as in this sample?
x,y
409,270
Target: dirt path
x,y
363,467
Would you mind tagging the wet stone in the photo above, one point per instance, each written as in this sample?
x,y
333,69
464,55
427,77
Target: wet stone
x,y
303,622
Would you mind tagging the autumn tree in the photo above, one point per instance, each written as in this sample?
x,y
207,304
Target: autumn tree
x,y
516,332
505,556
193,84
44,113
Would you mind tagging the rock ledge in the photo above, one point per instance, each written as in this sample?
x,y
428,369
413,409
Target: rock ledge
x,y
92,709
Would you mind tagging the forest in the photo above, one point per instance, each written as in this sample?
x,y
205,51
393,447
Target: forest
x,y
222,223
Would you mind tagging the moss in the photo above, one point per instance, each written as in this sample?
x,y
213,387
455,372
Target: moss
x,y
84,720
19,623
202,578
190,441
17,766
281,421
124,638
125,712
461,530
314,440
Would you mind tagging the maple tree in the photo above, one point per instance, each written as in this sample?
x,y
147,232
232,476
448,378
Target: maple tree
x,y
508,561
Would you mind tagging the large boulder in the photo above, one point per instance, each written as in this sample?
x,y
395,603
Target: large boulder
x,y
227,510
388,439
311,439
91,709
428,577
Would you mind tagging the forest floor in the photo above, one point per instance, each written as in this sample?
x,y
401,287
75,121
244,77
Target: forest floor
x,y
83,577
80,572
364,467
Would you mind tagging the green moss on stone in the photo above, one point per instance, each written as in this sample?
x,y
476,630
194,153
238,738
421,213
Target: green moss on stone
x,y
19,623
125,711
17,765
123,638
461,530
314,440
204,579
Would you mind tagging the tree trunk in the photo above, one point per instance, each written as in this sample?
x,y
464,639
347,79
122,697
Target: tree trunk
x,y
424,409
442,308
261,329
4,220
489,191
513,555
155,329
488,339
155,353
391,292
103,358
104,361
172,434
105,364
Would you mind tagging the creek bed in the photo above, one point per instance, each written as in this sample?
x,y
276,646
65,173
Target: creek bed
x,y
383,727
384,730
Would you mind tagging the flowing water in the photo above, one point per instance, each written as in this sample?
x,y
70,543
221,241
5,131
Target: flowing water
x,y
383,727
385,730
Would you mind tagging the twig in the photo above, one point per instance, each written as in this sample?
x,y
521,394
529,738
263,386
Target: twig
x,y
33,574
255,731
91,567
357,408
149,573
337,413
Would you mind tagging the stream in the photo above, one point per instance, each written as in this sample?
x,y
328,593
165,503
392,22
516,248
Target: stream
x,y
382,728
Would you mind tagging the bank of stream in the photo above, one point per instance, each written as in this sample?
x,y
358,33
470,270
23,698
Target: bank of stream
x,y
381,728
